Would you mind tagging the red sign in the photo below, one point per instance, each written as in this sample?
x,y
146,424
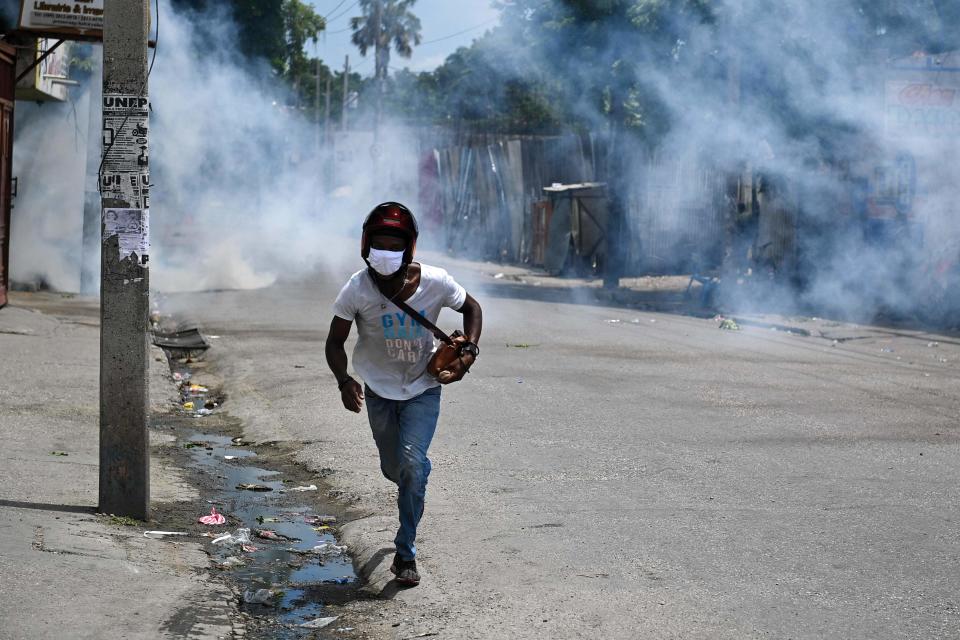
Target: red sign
x,y
927,95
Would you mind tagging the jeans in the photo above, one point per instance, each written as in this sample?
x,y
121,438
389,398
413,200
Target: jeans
x,y
403,430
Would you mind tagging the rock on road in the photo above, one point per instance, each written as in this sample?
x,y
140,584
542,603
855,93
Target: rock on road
x,y
654,477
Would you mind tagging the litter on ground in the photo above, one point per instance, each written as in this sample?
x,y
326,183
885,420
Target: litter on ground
x,y
319,623
728,324
267,534
246,486
242,536
311,487
213,518
260,596
159,535
232,561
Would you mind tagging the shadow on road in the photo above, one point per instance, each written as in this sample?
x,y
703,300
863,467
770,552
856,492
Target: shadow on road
x,y
662,301
40,506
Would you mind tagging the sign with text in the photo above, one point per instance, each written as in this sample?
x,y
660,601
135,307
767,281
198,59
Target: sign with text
x,y
922,97
82,18
125,173
923,109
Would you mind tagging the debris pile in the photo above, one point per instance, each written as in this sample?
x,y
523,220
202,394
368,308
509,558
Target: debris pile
x,y
729,324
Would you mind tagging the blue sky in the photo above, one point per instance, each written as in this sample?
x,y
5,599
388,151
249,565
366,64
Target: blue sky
x,y
441,21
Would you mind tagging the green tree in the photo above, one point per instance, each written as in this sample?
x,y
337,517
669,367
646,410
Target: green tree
x,y
481,89
260,29
300,25
382,23
273,30
259,23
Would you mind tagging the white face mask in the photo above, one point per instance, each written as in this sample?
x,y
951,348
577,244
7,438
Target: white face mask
x,y
386,263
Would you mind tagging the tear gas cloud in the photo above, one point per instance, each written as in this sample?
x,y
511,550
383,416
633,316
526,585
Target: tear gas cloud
x,y
240,196
859,197
829,116
859,190
47,218
818,115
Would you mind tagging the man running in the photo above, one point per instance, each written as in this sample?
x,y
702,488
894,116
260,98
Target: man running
x,y
391,356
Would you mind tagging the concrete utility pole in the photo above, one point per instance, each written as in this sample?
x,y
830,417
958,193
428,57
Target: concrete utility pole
x,y
124,283
379,72
316,135
326,113
346,88
316,107
328,155
618,186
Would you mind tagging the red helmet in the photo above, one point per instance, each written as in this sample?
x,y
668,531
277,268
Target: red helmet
x,y
391,218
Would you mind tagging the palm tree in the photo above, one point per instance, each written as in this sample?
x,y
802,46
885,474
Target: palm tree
x,y
385,22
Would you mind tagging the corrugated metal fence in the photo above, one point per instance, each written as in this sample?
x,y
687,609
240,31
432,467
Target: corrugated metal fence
x,y
679,218
487,188
676,217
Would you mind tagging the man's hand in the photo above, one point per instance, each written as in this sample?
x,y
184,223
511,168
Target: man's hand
x,y
456,370
352,396
472,325
351,393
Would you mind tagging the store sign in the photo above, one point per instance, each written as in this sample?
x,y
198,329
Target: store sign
x,y
922,97
74,17
923,109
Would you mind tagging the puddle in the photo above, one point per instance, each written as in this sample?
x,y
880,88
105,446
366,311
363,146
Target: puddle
x,y
303,580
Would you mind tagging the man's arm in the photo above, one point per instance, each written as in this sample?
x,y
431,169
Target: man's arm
x,y
472,327
351,393
472,319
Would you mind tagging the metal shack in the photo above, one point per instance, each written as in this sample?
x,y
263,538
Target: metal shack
x,y
574,235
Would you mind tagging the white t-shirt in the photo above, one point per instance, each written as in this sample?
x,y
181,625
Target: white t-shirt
x,y
392,349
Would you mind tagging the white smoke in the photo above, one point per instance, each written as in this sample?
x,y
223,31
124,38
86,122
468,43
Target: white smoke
x,y
49,160
806,94
240,194
244,191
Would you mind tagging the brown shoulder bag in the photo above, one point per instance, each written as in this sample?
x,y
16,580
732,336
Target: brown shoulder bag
x,y
448,351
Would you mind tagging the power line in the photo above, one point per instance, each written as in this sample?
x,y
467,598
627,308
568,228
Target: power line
x,y
344,12
447,37
334,9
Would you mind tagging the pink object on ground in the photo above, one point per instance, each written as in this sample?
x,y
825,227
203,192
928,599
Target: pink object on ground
x,y
266,534
213,518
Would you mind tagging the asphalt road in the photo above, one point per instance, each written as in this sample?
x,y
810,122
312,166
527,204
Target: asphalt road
x,y
654,477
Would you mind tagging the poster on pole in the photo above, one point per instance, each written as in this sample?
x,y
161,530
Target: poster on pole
x,y
132,228
125,172
80,18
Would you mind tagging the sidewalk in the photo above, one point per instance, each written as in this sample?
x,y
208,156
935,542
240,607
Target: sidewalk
x,y
668,294
68,572
649,293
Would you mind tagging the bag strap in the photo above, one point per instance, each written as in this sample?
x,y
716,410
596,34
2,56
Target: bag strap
x,y
413,313
441,336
